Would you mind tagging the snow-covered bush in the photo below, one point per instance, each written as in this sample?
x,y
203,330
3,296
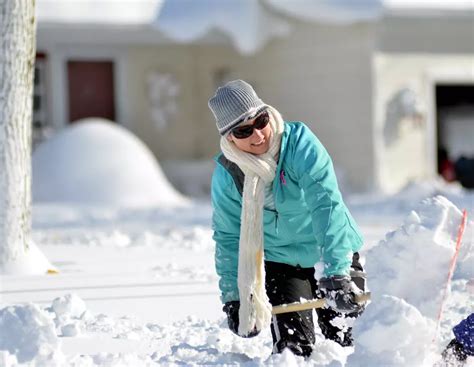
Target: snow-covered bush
x,y
96,161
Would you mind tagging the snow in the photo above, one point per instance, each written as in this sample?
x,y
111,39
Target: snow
x,y
430,4
401,259
249,24
137,286
111,12
97,162
146,12
350,11
330,11
246,22
32,262
31,332
392,333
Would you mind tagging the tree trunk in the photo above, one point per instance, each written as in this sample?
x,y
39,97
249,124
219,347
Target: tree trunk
x,y
17,55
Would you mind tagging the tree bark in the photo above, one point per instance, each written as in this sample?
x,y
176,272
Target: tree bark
x,y
17,55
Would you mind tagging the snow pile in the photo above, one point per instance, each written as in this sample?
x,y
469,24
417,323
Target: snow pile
x,y
416,191
407,276
148,276
30,262
30,334
391,332
174,271
97,162
413,261
70,311
398,205
463,5
196,238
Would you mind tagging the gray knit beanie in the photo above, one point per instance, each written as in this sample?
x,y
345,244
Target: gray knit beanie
x,y
233,103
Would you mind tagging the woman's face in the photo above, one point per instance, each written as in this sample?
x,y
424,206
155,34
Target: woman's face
x,y
257,143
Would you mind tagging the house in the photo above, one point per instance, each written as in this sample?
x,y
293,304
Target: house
x,y
377,81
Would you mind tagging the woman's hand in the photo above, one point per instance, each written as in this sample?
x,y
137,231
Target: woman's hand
x,y
340,292
231,308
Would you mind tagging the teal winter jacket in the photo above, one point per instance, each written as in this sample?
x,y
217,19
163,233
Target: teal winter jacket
x,y
310,221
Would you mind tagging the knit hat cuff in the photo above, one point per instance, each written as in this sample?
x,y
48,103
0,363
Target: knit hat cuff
x,y
248,115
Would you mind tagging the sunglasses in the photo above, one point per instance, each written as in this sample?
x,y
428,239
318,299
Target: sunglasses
x,y
243,132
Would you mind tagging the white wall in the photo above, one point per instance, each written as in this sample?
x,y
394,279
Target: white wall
x,y
416,52
441,34
413,153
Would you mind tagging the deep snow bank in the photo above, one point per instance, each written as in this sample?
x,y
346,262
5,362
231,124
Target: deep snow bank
x,y
407,276
32,262
412,262
27,333
98,162
392,333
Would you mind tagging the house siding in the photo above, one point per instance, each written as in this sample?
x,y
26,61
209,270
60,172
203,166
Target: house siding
x,y
320,74
416,53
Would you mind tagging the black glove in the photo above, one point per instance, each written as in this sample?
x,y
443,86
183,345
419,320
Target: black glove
x,y
231,308
340,293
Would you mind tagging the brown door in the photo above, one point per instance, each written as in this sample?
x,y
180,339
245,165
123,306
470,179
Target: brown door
x,y
91,89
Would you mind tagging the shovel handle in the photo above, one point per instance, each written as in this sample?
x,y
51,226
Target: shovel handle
x,y
315,303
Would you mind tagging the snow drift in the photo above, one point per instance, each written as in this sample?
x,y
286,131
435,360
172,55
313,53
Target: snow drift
x,y
412,262
31,333
98,162
31,262
408,273
392,333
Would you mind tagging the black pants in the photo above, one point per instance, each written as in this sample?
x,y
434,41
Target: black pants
x,y
295,330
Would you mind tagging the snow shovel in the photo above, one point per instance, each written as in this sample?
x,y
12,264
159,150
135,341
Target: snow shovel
x,y
314,303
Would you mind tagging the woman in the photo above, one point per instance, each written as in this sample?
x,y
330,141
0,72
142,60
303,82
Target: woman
x,y
277,211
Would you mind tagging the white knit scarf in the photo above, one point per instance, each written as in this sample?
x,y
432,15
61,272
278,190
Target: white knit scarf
x,y
259,170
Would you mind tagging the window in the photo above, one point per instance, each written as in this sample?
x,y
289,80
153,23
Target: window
x,y
41,125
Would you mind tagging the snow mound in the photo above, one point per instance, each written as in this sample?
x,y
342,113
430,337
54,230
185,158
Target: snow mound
x,y
412,262
70,310
407,276
31,262
391,333
31,333
98,162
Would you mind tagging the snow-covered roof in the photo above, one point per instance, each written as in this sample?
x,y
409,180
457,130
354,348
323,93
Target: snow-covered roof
x,y
248,23
332,11
106,12
429,4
